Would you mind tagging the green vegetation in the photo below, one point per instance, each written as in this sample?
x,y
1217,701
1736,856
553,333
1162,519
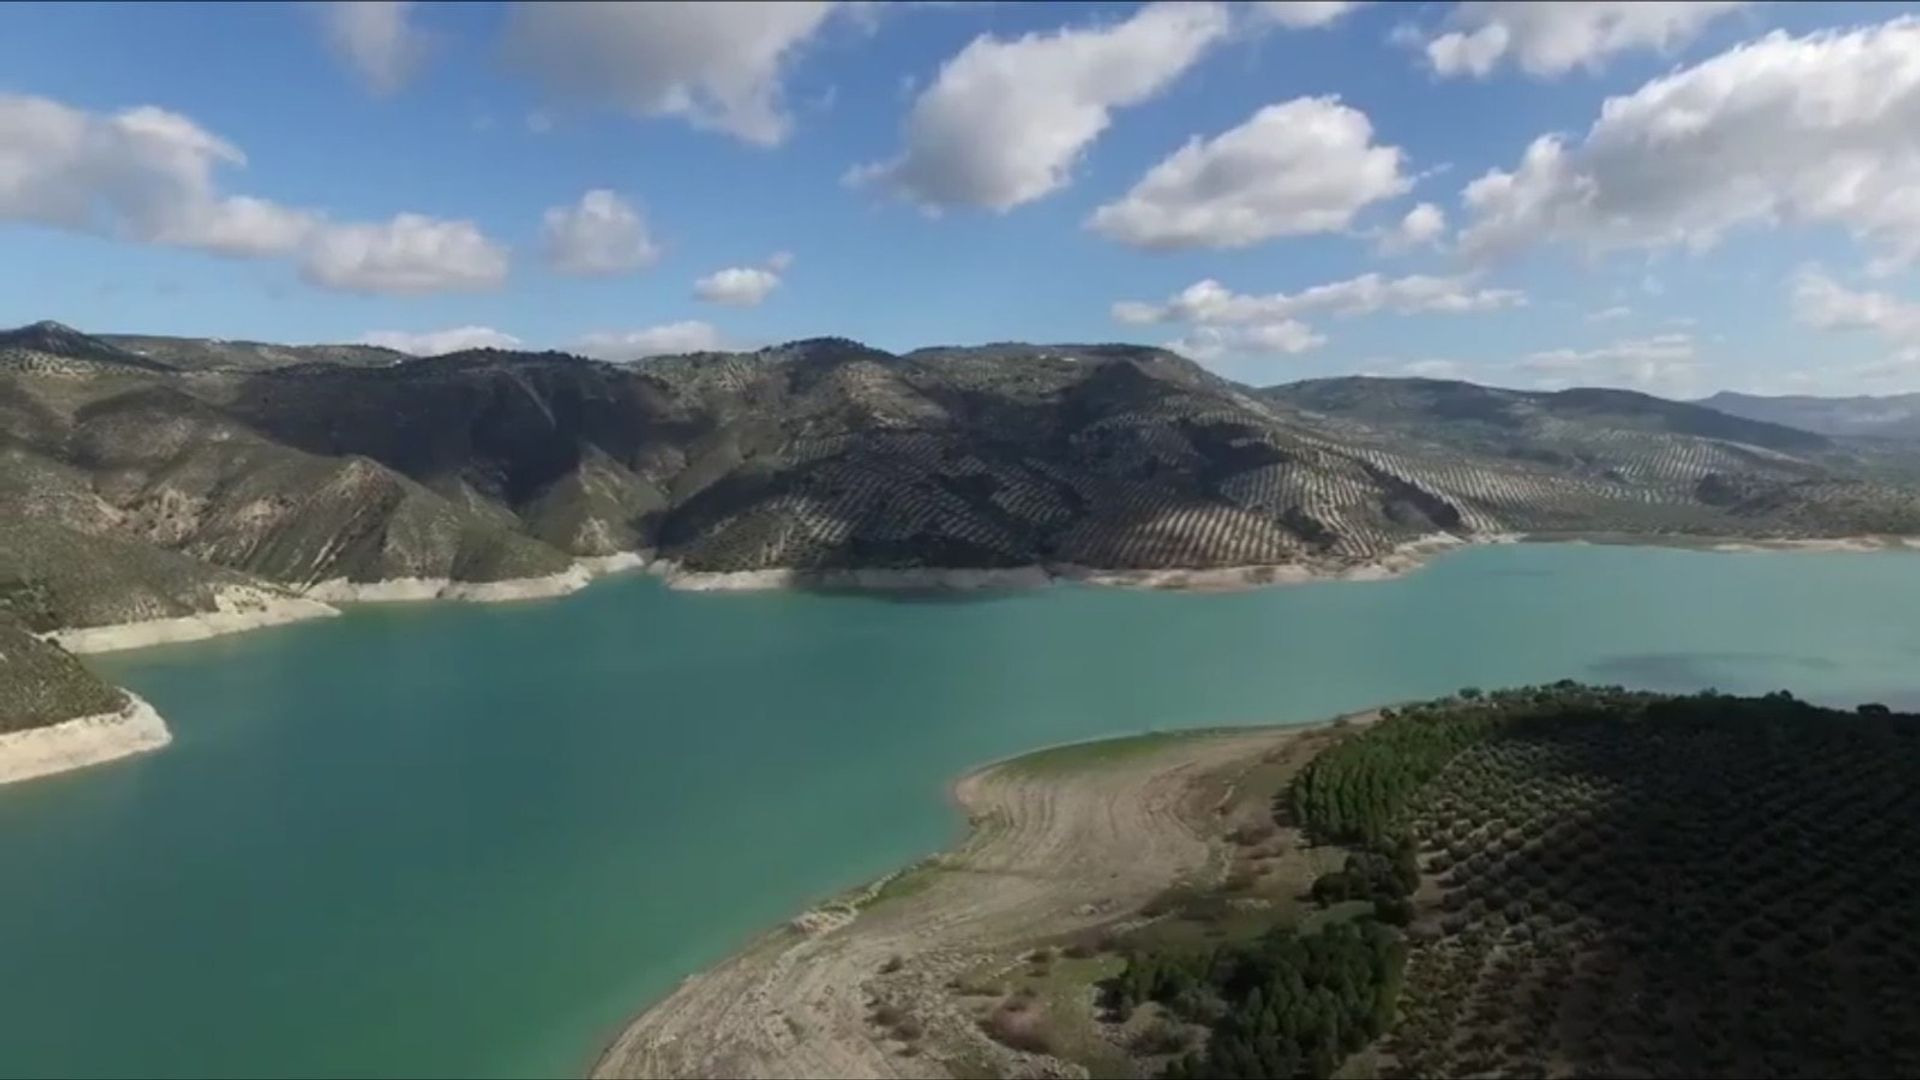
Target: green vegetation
x,y
1572,880
40,684
296,465
1095,752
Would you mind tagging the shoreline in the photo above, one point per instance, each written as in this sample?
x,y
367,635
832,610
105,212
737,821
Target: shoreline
x,y
240,608
1044,850
82,741
237,608
1403,559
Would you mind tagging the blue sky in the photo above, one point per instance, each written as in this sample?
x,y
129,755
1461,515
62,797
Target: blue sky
x,y
1746,216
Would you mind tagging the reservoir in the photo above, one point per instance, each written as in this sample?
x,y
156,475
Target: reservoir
x,y
470,839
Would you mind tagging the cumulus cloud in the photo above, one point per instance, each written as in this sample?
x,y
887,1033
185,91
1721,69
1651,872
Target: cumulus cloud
x,y
743,286
1618,311
1302,166
412,253
1822,129
1207,343
375,39
440,342
1006,121
1305,14
147,175
1210,302
143,174
718,66
1221,322
1662,364
1821,302
1423,226
601,234
1548,38
665,340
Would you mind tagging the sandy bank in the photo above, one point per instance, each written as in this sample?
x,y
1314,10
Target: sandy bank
x,y
1061,841
1403,559
1023,577
414,589
237,608
88,740
1841,543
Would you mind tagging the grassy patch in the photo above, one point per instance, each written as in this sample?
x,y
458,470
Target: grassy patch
x,y
1087,755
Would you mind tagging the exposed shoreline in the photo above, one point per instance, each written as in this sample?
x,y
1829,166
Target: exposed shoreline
x,y
1053,846
237,608
241,608
1403,559
86,740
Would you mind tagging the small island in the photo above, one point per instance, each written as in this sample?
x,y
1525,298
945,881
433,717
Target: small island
x,y
1558,880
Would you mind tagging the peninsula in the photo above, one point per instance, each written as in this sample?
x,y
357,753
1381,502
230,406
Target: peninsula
x,y
1553,880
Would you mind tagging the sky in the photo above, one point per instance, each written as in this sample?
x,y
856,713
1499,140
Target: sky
x,y
1671,197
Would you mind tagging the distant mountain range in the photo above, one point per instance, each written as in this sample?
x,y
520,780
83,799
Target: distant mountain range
x,y
1893,416
145,477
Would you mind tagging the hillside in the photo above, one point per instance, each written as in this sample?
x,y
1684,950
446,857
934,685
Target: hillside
x,y
1895,416
146,476
1556,880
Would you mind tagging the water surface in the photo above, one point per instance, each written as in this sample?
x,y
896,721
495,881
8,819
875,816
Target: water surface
x,y
462,839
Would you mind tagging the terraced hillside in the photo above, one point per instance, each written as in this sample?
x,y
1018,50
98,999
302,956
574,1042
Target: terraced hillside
x,y
1594,460
1894,416
825,454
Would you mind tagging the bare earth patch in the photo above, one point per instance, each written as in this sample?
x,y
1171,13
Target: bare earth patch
x,y
906,978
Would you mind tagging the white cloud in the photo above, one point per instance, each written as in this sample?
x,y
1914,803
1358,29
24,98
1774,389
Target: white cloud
x,y
410,254
1303,166
1618,311
539,122
143,174
1423,226
375,39
440,342
718,66
1663,364
1006,121
1211,303
1823,303
1221,322
1548,38
1208,343
738,286
1822,130
743,286
666,340
1305,14
148,175
601,234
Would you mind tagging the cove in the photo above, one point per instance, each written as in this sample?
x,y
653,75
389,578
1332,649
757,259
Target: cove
x,y
462,839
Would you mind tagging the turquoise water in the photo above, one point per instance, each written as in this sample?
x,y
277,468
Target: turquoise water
x,y
460,839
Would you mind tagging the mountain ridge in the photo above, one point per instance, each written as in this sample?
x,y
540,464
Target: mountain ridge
x,y
194,480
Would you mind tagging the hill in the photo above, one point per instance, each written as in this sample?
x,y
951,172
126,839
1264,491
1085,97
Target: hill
x,y
188,473
1896,416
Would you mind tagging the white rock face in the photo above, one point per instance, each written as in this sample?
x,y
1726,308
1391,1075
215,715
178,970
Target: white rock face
x,y
237,608
86,740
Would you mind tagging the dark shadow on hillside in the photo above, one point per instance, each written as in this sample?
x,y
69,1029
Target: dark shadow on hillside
x,y
1727,887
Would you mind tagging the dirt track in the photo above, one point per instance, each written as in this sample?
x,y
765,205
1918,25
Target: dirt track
x,y
1055,848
